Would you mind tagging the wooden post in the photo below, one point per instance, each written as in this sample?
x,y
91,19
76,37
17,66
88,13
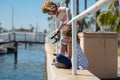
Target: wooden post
x,y
9,36
16,50
25,40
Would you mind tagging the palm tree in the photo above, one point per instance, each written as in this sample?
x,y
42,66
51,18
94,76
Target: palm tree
x,y
111,17
89,22
115,26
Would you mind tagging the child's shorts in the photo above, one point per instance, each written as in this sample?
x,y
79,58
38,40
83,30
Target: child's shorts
x,y
61,58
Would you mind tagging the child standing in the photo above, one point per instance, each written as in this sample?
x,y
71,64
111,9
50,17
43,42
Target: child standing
x,y
61,13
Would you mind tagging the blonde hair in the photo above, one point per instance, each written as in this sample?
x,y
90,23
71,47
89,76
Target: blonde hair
x,y
49,6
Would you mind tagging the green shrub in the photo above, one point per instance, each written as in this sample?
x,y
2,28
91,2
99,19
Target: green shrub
x,y
118,50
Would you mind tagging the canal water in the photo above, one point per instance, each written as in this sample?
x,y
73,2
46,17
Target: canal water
x,y
30,65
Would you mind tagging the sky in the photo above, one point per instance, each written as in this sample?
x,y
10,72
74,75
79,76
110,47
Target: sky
x,y
27,12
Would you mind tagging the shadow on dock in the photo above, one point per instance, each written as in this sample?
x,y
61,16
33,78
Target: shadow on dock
x,y
112,79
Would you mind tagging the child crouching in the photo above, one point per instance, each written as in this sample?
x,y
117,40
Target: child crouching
x,y
63,59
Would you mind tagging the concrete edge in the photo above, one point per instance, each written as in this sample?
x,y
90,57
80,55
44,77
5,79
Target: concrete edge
x,y
54,73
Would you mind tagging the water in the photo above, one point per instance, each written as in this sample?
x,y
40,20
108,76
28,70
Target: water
x,y
31,64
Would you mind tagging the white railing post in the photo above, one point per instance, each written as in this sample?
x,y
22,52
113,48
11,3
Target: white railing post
x,y
74,55
56,25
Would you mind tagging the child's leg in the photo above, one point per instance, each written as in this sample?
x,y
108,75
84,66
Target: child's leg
x,y
69,50
63,48
63,59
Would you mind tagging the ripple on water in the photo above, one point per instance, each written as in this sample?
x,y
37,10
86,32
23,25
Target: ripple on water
x,y
30,64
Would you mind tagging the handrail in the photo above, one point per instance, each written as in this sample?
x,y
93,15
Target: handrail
x,y
98,5
22,37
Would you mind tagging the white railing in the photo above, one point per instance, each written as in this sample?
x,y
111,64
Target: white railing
x,y
22,37
98,5
74,40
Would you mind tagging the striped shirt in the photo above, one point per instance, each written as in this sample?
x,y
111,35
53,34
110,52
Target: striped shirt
x,y
61,14
82,62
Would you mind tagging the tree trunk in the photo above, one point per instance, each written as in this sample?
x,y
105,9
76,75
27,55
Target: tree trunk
x,y
116,4
83,21
97,27
97,13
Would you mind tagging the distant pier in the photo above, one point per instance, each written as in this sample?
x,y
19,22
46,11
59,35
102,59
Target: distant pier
x,y
10,40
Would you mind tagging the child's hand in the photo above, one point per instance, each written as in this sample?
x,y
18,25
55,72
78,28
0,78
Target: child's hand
x,y
56,31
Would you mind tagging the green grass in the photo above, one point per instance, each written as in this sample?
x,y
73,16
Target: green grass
x,y
118,50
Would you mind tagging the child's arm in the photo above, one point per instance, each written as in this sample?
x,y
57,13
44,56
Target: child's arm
x,y
69,50
58,29
67,16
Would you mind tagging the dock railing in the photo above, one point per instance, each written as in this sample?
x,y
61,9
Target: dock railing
x,y
98,5
22,37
